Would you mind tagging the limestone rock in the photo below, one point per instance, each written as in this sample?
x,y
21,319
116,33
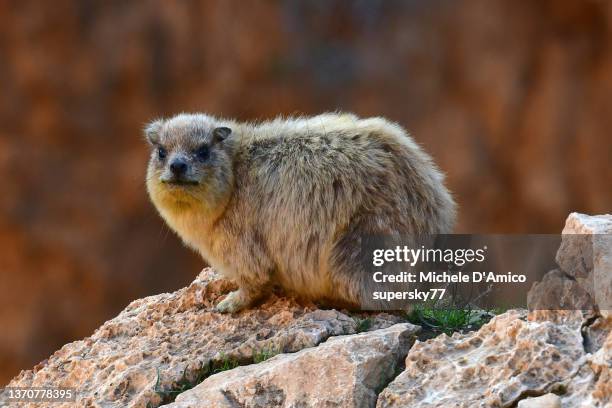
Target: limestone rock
x,y
586,254
592,385
596,333
544,401
557,291
574,319
507,359
345,371
159,343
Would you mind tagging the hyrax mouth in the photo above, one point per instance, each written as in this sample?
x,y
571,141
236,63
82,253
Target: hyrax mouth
x,y
180,182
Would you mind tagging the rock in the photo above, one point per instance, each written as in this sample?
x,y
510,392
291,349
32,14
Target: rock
x,y
345,371
512,356
159,344
596,333
557,291
592,385
544,401
586,255
370,321
574,319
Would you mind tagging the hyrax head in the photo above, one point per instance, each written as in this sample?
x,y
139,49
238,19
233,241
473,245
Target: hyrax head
x,y
190,163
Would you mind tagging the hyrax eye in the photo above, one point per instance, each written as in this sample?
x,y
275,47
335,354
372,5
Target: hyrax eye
x,y
161,153
203,152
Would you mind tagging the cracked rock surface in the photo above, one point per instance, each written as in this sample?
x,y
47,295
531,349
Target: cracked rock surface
x,y
513,357
518,356
345,371
134,359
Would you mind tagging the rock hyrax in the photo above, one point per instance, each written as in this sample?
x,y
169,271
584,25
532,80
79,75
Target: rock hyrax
x,y
284,203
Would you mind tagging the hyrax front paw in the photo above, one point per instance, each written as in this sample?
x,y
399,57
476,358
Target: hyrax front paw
x,y
233,302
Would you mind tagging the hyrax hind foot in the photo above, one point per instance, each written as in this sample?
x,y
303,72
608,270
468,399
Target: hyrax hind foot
x,y
234,302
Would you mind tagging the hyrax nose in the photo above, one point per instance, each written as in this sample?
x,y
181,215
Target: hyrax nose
x,y
178,167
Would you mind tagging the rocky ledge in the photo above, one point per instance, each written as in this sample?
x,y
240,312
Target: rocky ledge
x,y
173,350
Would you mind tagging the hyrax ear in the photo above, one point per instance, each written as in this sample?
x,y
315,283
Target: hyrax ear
x,y
152,131
220,134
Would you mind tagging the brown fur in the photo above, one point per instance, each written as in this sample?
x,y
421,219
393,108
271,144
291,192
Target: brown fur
x,y
285,202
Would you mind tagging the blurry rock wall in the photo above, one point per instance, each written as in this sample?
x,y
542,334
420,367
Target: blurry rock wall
x,y
512,98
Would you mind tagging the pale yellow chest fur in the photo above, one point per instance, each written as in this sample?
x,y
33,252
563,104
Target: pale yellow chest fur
x,y
196,230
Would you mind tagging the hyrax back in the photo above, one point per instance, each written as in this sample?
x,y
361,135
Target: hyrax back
x,y
284,203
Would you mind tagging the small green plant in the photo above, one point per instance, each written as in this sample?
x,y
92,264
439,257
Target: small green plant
x,y
187,382
498,310
363,325
446,320
182,385
226,363
263,355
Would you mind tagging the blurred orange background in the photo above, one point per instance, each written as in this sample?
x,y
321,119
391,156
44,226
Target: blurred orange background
x,y
512,98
